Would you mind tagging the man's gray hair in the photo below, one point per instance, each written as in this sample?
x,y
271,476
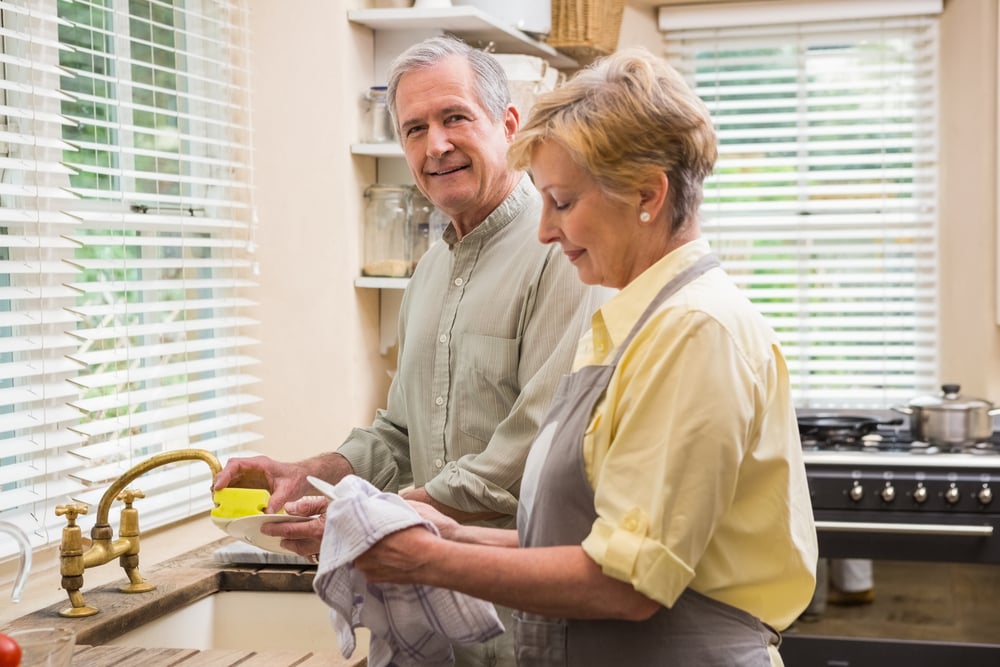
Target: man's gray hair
x,y
490,78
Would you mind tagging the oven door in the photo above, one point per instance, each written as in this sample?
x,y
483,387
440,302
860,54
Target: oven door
x,y
936,583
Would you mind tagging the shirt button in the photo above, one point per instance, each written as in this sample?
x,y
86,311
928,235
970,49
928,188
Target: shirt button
x,y
443,338
439,400
459,281
631,523
438,463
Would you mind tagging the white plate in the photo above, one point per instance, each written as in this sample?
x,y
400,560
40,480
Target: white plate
x,y
247,528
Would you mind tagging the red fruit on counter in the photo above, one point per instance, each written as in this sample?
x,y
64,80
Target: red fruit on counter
x,y
10,652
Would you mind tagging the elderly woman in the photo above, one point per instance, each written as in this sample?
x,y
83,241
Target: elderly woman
x,y
664,517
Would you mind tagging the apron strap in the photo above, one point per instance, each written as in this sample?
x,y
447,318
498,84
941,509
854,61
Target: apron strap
x,y
703,265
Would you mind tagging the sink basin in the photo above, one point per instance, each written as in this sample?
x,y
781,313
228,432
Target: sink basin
x,y
246,620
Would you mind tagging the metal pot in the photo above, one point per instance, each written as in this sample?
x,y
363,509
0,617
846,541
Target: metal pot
x,y
949,418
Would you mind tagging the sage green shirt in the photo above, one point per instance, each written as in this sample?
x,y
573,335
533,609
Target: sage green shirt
x,y
487,326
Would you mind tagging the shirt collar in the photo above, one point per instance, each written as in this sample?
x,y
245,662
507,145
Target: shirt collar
x,y
501,216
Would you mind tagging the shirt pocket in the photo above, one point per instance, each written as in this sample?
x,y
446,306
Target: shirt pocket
x,y
486,383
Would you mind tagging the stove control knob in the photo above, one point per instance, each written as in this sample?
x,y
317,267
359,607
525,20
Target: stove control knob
x,y
920,494
857,492
985,495
888,493
952,495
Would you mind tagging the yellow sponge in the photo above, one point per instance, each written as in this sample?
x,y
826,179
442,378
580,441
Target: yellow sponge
x,y
233,502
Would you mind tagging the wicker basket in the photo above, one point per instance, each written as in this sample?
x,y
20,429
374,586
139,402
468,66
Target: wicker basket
x,y
586,29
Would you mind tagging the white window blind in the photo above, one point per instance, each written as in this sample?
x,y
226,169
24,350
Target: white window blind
x,y
823,204
126,252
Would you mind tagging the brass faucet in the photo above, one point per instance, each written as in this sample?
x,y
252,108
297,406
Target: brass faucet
x,y
73,560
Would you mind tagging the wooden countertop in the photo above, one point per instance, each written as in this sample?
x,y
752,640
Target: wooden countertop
x,y
179,582
124,656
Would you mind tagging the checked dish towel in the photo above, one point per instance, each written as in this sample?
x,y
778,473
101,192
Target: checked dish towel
x,y
410,624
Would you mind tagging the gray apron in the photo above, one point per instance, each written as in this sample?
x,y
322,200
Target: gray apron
x,y
557,508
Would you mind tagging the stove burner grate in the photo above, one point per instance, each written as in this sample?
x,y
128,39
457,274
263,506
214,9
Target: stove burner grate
x,y
863,434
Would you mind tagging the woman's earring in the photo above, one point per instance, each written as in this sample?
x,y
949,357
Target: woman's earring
x,y
644,216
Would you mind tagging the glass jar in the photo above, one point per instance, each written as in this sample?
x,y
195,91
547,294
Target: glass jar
x,y
387,241
438,223
378,123
419,222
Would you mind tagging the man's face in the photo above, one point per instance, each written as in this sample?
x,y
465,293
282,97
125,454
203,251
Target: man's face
x,y
456,152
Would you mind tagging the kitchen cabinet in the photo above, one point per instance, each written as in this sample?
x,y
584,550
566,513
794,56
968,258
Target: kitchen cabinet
x,y
395,29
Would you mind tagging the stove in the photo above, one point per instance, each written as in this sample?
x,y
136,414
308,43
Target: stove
x,y
877,494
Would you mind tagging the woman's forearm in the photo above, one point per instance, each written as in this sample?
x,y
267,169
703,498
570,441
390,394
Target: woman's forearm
x,y
552,581
486,536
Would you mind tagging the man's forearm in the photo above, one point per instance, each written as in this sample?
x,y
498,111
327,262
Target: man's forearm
x,y
455,513
329,466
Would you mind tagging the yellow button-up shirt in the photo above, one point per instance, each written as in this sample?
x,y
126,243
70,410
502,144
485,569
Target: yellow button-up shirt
x,y
694,451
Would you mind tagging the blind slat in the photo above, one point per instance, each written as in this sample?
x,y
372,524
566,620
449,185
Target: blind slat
x,y
218,343
180,368
228,403
182,434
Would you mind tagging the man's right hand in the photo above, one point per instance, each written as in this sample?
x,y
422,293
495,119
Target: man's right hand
x,y
285,481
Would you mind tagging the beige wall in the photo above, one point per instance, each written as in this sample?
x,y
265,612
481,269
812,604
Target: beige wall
x,y
970,342
321,369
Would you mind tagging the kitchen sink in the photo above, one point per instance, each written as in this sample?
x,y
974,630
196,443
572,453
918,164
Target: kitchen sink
x,y
247,620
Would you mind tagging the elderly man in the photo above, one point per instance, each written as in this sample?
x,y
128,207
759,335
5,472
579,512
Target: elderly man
x,y
488,323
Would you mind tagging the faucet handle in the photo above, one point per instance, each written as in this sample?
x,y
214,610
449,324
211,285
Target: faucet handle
x,y
72,511
128,496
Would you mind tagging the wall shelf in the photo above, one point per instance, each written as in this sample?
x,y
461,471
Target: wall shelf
x,y
375,282
377,150
470,24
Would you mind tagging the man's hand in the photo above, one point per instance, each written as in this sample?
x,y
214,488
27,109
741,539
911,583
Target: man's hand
x,y
286,481
302,537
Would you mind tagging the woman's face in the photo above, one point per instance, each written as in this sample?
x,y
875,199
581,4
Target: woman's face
x,y
601,236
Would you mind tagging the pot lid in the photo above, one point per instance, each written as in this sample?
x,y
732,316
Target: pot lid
x,y
950,399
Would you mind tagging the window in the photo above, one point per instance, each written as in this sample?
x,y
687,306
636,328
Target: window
x,y
126,226
823,204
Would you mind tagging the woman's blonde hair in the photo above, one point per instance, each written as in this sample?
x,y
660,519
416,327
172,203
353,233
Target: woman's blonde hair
x,y
624,118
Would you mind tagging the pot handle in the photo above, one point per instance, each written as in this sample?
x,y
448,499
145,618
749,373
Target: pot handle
x,y
909,411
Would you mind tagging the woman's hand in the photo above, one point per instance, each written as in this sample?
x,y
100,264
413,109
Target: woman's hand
x,y
398,558
455,531
447,526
